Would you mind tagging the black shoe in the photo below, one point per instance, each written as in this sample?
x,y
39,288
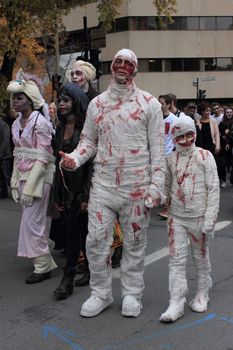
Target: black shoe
x,y
65,288
2,196
83,281
37,277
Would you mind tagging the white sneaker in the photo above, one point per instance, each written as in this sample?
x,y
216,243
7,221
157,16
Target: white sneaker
x,y
131,307
174,311
94,306
199,303
223,184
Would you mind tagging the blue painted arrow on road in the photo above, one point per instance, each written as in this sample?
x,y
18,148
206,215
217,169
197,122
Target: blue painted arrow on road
x,y
63,335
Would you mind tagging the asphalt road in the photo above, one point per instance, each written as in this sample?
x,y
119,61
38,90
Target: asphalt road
x,y
32,320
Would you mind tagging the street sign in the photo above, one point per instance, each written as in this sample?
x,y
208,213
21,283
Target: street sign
x,y
98,38
208,79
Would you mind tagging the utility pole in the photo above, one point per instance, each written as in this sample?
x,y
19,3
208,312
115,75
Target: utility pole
x,y
86,41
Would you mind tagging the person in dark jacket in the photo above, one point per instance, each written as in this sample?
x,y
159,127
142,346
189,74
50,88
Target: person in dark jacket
x,y
5,159
71,190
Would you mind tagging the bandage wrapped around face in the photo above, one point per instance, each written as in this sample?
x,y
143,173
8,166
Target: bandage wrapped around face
x,y
126,54
184,132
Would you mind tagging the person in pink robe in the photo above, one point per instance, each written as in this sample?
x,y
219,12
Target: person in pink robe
x,y
32,172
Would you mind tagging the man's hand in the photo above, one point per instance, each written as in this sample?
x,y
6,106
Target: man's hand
x,y
67,162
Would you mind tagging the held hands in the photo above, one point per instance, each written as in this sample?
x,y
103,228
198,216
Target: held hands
x,y
151,203
15,195
66,162
26,200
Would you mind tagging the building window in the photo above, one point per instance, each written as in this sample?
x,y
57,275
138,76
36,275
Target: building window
x,y
155,65
224,64
207,23
210,64
146,65
224,23
180,23
191,64
121,25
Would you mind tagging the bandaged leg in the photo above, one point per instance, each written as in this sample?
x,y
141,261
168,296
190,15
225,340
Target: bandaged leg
x,y
200,253
134,219
178,251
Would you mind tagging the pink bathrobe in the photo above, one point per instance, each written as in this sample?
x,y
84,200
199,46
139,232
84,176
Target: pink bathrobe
x,y
37,134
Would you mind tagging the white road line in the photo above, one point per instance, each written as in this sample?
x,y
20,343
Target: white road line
x,y
161,253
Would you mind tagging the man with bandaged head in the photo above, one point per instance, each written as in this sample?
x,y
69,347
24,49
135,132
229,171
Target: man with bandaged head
x,y
124,130
192,190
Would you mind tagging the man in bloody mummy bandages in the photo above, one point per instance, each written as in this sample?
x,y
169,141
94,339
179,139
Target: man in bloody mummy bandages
x,y
192,187
124,130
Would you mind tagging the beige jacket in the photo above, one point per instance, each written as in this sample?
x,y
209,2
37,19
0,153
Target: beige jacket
x,y
214,133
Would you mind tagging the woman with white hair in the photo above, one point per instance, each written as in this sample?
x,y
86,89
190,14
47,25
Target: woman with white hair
x,y
82,74
32,172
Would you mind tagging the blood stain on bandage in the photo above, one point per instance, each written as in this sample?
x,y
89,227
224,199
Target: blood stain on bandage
x,y
136,227
171,233
137,211
134,151
135,115
82,151
203,245
137,194
99,217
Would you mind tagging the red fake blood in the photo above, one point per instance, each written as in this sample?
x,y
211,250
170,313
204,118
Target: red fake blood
x,y
137,211
99,217
171,232
134,151
203,245
82,151
148,98
137,194
99,119
135,115
202,153
136,227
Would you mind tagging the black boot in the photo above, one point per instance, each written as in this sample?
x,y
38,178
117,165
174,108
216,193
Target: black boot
x,y
66,285
83,281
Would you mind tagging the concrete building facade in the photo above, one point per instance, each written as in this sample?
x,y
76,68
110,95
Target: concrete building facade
x,y
198,46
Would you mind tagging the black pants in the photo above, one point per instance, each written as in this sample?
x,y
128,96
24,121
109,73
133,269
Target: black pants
x,y
77,229
5,176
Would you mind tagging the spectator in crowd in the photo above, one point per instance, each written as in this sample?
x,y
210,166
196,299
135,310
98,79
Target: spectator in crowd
x,y
173,108
226,143
124,130
209,133
71,189
192,187
168,118
191,111
53,114
5,159
32,172
217,113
